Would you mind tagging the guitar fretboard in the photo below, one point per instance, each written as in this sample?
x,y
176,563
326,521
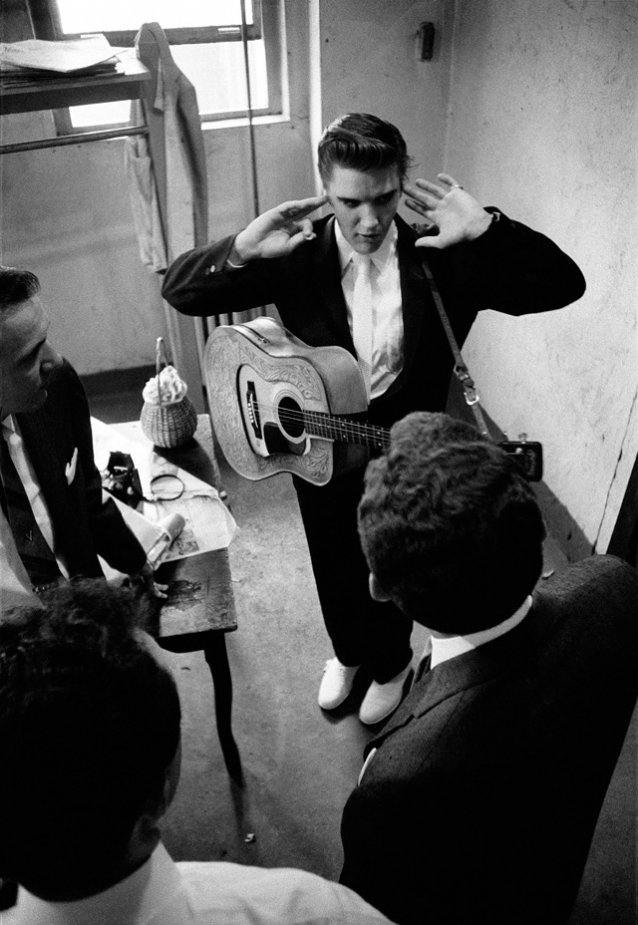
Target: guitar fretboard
x,y
344,430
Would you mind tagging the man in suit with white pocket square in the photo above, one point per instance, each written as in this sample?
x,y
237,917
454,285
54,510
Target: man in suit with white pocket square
x,y
54,521
478,799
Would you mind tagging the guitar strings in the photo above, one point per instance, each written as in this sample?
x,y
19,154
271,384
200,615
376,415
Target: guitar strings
x,y
321,419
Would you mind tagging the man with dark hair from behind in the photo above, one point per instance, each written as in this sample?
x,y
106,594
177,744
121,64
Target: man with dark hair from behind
x,y
355,279
479,798
89,763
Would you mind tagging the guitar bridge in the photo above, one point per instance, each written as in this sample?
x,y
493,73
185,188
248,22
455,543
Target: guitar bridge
x,y
252,405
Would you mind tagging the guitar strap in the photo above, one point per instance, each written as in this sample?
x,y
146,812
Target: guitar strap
x,y
461,371
528,454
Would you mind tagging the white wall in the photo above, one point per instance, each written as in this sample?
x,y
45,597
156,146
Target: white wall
x,y
369,63
543,123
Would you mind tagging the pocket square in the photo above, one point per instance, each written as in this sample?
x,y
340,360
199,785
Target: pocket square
x,y
70,468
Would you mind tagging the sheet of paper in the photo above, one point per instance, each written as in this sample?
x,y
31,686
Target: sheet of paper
x,y
64,57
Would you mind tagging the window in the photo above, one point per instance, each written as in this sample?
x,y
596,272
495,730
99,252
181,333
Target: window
x,y
206,42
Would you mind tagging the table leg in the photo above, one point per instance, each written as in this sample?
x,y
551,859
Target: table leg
x,y
217,658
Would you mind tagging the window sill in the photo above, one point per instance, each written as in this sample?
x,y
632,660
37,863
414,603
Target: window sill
x,y
275,119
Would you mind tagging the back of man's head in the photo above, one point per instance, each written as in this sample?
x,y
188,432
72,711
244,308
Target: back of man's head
x,y
450,528
89,725
360,141
16,286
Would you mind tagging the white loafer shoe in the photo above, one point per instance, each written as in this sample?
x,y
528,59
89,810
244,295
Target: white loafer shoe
x,y
336,684
382,699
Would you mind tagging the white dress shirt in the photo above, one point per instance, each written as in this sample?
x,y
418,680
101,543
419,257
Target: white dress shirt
x,y
162,892
387,315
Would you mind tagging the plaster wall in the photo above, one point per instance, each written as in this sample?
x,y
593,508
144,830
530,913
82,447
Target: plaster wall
x,y
370,63
542,122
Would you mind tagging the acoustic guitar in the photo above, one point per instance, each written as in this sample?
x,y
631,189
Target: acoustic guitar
x,y
278,405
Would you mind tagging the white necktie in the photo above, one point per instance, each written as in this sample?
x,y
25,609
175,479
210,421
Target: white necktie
x,y
362,315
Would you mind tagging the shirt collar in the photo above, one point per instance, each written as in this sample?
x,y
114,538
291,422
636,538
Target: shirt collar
x,y
380,258
134,899
442,648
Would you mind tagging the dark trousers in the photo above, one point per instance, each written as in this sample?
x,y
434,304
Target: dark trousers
x,y
363,631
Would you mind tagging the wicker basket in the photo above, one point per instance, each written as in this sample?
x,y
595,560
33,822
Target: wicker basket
x,y
167,425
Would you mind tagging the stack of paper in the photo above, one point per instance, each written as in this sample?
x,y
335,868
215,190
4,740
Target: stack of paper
x,y
23,63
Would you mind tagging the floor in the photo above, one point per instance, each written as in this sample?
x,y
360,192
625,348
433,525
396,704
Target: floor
x,y
300,764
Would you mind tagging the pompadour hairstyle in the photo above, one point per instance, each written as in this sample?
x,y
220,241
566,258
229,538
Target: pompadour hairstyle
x,y
362,142
449,525
89,724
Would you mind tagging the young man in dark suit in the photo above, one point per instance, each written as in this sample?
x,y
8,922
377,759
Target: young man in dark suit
x,y
53,519
478,800
355,279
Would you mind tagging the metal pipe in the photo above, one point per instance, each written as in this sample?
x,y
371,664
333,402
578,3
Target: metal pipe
x,y
76,138
249,113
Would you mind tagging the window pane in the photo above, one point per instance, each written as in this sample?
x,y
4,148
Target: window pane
x,y
217,73
118,15
215,70
102,115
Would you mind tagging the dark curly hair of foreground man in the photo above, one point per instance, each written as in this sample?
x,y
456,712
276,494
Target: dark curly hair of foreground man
x,y
479,798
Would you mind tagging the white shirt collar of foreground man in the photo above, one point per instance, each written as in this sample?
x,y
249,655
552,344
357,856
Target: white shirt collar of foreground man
x,y
162,892
443,648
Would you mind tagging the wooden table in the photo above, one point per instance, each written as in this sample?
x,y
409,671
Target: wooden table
x,y
206,628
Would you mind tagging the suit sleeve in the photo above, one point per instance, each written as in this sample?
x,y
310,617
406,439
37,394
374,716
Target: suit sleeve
x,y
113,539
200,283
510,268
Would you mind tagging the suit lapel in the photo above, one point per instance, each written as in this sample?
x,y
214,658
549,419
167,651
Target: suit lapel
x,y
41,436
414,292
327,277
470,670
42,449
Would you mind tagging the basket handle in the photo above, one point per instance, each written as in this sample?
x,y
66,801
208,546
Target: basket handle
x,y
162,359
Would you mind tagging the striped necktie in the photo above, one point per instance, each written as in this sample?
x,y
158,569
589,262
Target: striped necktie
x,y
33,549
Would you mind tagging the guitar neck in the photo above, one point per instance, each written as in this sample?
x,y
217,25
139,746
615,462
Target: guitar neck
x,y
344,430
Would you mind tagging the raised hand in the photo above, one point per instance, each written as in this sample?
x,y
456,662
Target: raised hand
x,y
456,214
278,231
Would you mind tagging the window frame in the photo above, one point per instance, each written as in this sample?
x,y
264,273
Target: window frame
x,y
267,25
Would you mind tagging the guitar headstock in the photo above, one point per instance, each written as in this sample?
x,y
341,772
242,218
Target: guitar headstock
x,y
528,454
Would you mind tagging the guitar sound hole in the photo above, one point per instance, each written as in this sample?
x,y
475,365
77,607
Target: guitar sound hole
x,y
291,418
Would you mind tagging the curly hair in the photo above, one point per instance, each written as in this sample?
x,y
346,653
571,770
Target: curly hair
x,y
362,142
89,724
16,286
449,525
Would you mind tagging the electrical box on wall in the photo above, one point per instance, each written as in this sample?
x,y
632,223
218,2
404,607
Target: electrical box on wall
x,y
425,41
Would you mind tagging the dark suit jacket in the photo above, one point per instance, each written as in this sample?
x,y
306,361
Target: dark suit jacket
x,y
479,806
83,526
509,268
